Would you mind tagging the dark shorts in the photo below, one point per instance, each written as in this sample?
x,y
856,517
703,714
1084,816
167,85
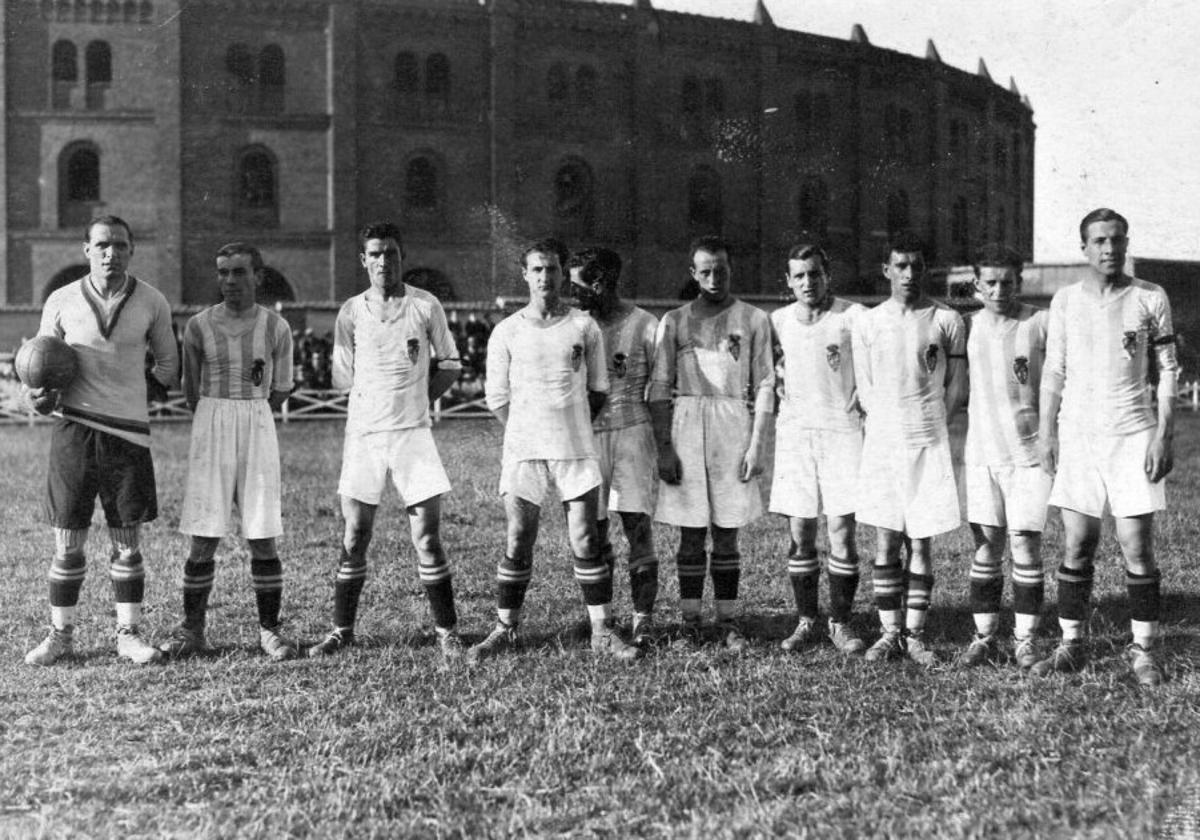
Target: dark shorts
x,y
86,462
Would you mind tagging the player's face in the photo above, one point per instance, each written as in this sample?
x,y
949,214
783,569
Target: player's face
x,y
997,288
906,275
1105,247
713,274
544,276
381,258
587,295
807,280
237,279
108,250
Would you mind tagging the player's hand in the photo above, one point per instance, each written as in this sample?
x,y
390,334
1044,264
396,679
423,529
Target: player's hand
x,y
43,400
751,465
1159,459
1048,454
670,468
155,390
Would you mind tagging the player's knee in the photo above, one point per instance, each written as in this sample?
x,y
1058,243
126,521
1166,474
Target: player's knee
x,y
725,540
263,549
691,540
358,537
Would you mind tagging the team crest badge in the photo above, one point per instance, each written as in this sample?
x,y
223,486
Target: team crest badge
x,y
414,350
576,356
1129,343
931,357
256,371
735,346
620,363
833,355
1021,369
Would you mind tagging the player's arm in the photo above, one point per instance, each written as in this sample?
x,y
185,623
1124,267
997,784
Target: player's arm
x,y
957,383
496,387
282,375
597,368
45,400
762,380
193,358
658,400
862,363
1160,457
1054,374
341,358
445,365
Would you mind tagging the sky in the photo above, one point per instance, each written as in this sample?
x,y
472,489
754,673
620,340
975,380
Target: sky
x,y
1114,84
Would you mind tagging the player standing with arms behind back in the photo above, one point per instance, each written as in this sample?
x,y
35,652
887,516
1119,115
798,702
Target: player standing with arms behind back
x,y
101,443
818,444
1109,446
237,371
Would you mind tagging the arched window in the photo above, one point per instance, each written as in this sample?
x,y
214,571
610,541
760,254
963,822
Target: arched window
x,y
705,214
272,78
556,83
437,79
130,11
64,73
574,198
239,71
147,12
407,75
897,212
814,207
78,184
585,85
98,61
421,185
256,195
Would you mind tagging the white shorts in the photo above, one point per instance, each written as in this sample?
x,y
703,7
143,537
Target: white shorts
x,y
532,480
1094,469
628,469
1007,497
410,455
233,459
710,436
815,468
907,489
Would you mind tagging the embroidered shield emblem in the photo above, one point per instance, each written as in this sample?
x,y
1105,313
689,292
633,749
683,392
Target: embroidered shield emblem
x,y
256,371
1129,343
931,357
620,361
735,345
1021,369
833,355
414,350
576,356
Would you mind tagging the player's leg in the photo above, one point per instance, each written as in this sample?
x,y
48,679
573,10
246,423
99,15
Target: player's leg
x,y
266,574
918,594
691,566
1143,581
199,571
630,491
725,569
594,576
986,591
1029,588
127,572
843,582
67,570
804,574
513,574
606,448
425,526
359,525
643,573
1081,536
887,578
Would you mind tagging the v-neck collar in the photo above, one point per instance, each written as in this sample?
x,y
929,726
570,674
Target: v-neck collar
x,y
106,318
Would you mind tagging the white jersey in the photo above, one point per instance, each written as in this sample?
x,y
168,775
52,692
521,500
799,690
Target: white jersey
x,y
1098,349
818,368
629,350
1005,356
384,362
543,371
901,363
239,358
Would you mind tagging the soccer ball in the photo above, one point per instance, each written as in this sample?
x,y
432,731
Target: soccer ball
x,y
46,362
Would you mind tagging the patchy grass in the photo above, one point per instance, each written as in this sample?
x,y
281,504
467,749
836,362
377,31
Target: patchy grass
x,y
387,742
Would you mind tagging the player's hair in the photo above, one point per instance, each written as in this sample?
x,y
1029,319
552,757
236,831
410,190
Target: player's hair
x,y
997,255
547,245
601,264
380,230
234,248
904,242
710,244
806,251
111,221
1101,214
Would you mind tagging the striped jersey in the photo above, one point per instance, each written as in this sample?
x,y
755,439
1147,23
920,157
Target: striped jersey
x,y
237,358
384,361
724,355
901,364
629,350
1005,356
1098,349
543,370
817,358
110,337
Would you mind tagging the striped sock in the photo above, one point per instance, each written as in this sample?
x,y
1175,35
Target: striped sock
x,y
643,583
843,586
347,588
725,571
888,583
128,576
1029,595
67,571
439,590
512,580
266,574
1074,592
920,588
198,578
986,593
1145,602
804,572
595,580
691,569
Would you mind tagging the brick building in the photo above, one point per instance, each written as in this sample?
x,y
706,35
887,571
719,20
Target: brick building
x,y
476,124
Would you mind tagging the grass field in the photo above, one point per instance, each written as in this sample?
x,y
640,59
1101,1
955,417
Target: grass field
x,y
387,742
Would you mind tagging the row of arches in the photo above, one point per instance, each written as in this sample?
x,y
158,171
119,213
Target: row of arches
x,y
255,81
407,75
64,73
98,11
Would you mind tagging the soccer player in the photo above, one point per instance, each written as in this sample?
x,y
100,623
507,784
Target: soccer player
x,y
711,397
818,443
101,441
1006,487
237,370
624,437
910,364
393,351
1109,445
546,380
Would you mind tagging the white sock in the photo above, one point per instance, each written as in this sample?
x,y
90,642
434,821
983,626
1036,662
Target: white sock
x,y
1025,625
63,617
128,614
726,608
1144,633
599,613
690,608
509,618
915,620
986,624
890,620
1072,629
